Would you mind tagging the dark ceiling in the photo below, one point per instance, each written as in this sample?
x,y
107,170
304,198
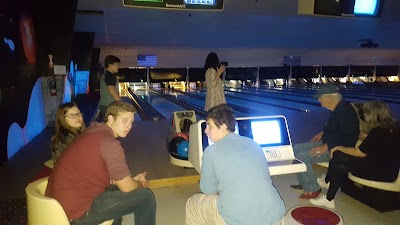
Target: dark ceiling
x,y
242,24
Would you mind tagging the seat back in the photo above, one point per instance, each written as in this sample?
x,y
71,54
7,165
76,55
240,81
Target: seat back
x,y
387,186
43,210
364,127
397,181
358,107
49,163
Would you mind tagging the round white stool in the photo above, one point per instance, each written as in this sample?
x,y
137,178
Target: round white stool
x,y
312,215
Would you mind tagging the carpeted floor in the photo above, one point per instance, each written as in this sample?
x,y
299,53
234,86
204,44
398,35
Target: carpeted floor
x,y
13,212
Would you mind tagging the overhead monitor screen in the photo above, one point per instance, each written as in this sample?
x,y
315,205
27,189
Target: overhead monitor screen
x,y
177,4
361,8
200,2
366,7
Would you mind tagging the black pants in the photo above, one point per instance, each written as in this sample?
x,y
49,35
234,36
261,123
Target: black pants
x,y
339,167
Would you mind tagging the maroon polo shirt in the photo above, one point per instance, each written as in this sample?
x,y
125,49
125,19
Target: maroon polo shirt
x,y
85,168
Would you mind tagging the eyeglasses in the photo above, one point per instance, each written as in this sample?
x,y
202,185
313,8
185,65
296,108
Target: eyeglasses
x,y
74,116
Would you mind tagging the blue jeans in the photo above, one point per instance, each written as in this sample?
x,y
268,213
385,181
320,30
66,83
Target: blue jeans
x,y
113,204
308,179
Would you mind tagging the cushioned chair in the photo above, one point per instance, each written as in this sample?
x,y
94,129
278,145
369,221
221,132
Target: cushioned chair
x,y
387,186
49,163
323,164
43,210
382,196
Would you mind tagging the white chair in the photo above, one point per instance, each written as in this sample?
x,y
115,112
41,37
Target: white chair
x,y
323,164
387,186
43,210
49,163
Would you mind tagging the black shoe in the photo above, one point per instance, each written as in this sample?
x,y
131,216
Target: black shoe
x,y
297,187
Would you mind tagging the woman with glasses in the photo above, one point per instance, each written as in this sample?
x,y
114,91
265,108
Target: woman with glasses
x,y
377,158
69,123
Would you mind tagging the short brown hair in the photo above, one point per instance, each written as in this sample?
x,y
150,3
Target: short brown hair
x,y
117,107
111,59
222,114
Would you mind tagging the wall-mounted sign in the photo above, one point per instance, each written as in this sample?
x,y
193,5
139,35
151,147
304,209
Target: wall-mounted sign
x,y
177,4
292,61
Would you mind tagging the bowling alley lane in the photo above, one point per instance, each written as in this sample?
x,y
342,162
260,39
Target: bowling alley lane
x,y
297,119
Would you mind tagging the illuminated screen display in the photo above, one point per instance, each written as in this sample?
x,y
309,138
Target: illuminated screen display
x,y
200,2
366,7
267,132
177,4
359,8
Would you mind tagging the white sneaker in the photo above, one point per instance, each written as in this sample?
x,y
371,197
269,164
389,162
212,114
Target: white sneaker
x,y
322,183
322,201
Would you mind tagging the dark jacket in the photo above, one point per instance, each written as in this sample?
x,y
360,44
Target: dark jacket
x,y
342,128
59,147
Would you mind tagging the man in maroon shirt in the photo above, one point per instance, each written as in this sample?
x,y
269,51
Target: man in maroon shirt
x,y
80,180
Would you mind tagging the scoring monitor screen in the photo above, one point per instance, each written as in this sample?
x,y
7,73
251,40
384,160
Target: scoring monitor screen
x,y
200,2
177,4
267,132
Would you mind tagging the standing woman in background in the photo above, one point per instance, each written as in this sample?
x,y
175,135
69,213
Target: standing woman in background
x,y
215,85
69,123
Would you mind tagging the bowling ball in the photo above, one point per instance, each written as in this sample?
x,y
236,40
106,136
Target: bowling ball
x,y
183,149
181,134
173,146
185,125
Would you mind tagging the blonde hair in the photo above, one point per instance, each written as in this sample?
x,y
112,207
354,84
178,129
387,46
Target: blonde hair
x,y
379,114
117,107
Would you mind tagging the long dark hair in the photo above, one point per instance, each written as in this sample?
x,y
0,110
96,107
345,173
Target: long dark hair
x,y
212,61
379,114
62,128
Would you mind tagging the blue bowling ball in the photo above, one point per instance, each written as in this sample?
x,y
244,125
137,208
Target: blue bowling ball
x,y
183,148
